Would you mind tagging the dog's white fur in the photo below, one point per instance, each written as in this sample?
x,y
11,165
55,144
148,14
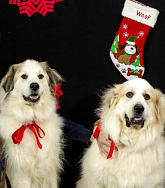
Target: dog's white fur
x,y
140,159
27,165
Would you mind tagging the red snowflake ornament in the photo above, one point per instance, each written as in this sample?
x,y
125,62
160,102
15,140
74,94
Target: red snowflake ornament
x,y
29,7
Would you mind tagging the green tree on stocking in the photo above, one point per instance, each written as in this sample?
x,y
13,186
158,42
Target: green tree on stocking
x,y
115,46
136,62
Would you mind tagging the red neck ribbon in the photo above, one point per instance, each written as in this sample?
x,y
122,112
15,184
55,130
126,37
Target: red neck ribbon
x,y
96,134
57,93
18,134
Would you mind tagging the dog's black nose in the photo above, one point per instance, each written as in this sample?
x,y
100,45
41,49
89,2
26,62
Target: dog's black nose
x,y
138,108
34,86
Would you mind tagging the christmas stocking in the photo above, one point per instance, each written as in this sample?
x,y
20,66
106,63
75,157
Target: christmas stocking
x,y
127,49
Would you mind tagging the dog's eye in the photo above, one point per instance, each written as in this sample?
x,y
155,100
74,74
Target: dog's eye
x,y
147,97
129,94
40,76
24,76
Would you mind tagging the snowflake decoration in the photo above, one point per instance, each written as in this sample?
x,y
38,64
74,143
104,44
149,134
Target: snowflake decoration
x,y
125,34
125,26
141,33
29,7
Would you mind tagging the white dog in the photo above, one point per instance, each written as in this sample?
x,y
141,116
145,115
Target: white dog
x,y
133,115
30,128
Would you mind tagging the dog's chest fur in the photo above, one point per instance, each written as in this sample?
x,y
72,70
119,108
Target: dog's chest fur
x,y
27,156
127,168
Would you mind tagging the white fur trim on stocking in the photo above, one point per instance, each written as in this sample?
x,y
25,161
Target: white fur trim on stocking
x,y
140,12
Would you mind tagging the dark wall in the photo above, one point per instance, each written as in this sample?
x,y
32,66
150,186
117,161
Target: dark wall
x,y
75,40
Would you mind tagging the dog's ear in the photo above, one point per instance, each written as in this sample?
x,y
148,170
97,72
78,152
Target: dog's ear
x,y
160,106
54,76
7,81
137,53
111,96
121,47
110,124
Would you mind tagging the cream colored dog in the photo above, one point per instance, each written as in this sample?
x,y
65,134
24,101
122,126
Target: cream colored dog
x,y
133,115
30,128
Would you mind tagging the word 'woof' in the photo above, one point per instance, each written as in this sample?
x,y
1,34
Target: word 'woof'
x,y
142,15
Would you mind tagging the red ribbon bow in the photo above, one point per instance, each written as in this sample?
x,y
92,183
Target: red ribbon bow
x,y
18,134
96,134
57,93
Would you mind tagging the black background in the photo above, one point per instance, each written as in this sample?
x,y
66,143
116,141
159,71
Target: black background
x,y
75,40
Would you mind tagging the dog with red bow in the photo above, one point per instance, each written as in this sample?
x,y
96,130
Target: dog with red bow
x,y
132,117
30,128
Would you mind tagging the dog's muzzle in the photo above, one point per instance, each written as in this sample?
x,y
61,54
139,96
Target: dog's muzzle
x,y
34,96
137,120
